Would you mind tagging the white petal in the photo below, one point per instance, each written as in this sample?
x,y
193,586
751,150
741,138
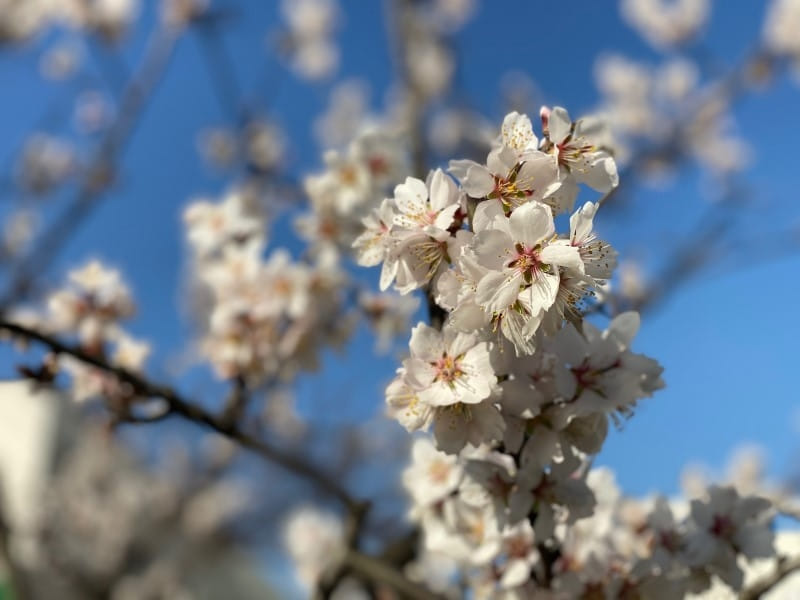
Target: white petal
x,y
531,223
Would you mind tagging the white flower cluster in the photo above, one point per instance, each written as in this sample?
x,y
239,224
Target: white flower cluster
x,y
517,388
666,22
263,318
580,537
92,307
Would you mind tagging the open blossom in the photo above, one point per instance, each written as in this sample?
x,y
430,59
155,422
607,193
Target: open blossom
x,y
418,246
449,367
524,266
577,148
600,373
726,525
92,305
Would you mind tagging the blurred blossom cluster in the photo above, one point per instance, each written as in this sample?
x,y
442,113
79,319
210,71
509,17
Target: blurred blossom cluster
x,y
108,18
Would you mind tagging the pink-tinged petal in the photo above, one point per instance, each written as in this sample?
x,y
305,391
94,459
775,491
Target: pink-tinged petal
x,y
559,125
531,223
562,255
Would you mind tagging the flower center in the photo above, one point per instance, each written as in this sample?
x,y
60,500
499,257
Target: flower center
x,y
448,369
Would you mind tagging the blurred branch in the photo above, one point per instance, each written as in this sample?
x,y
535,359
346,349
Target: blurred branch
x,y
221,69
192,412
786,566
100,171
379,572
400,19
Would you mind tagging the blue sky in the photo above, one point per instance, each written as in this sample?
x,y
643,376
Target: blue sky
x,y
727,342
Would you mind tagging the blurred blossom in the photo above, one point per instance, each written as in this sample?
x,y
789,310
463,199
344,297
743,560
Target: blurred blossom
x,y
315,542
632,284
281,416
109,18
61,60
45,163
93,112
666,22
781,27
430,65
218,146
178,13
215,506
265,144
389,315
452,15
313,54
453,129
93,303
21,20
345,114
18,230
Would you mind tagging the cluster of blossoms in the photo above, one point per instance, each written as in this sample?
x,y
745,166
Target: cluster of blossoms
x,y
105,521
92,307
109,19
262,317
518,388
310,24
582,538
667,108
350,186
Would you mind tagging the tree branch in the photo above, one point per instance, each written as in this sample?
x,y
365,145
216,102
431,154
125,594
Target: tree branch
x,y
191,411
